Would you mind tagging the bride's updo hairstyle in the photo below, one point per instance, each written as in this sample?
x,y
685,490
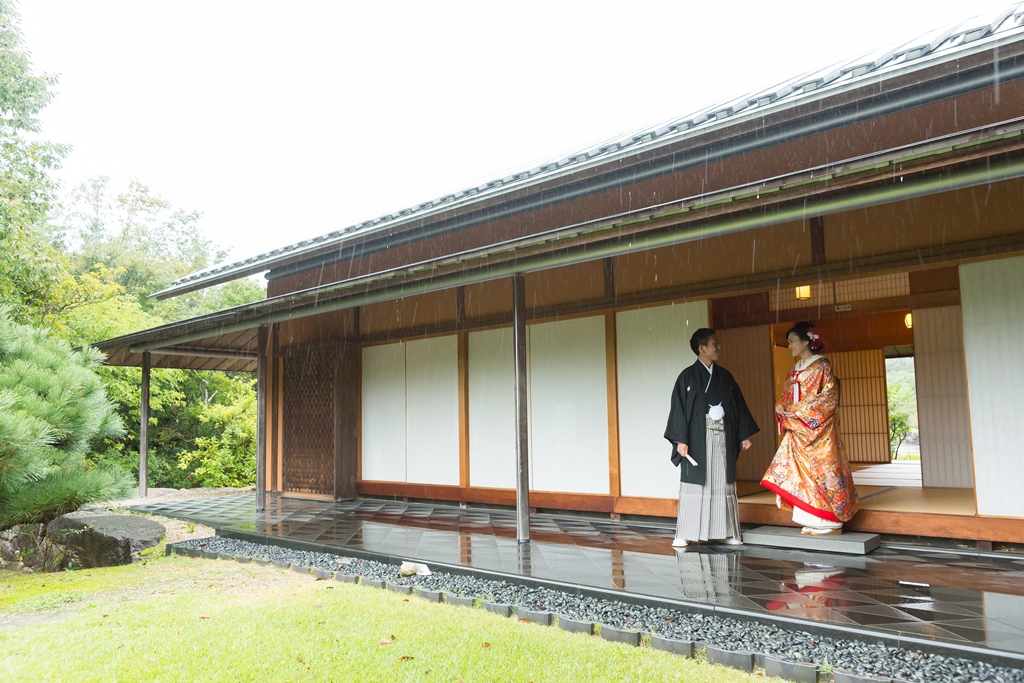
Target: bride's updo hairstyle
x,y
805,330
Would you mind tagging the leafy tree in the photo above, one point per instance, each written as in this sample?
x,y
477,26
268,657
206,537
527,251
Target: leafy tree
x,y
52,408
34,278
899,417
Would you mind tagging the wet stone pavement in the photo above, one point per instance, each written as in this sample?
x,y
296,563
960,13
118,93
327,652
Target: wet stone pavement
x,y
916,594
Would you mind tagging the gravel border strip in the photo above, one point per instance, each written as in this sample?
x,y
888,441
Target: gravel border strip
x,y
672,630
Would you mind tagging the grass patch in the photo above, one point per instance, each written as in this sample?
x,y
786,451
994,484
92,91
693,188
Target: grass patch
x,y
183,619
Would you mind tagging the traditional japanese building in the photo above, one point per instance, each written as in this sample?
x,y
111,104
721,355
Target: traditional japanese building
x,y
546,314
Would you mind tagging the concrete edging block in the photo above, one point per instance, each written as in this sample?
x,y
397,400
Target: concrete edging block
x,y
323,573
620,635
538,617
430,596
399,588
497,607
573,626
372,583
461,600
744,661
801,672
684,648
346,578
847,677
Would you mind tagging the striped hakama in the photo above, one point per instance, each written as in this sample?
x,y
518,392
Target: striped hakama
x,y
709,512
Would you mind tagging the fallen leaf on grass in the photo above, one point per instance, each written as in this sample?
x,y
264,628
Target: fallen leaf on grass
x,y
152,659
406,658
205,616
485,645
384,642
320,578
405,600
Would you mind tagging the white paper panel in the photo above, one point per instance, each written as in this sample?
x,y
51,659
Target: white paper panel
x,y
432,410
942,414
492,409
653,346
383,421
569,406
992,302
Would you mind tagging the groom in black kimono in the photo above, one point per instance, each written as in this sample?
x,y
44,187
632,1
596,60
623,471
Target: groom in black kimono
x,y
708,426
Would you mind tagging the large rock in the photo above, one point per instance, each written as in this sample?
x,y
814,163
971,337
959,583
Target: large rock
x,y
93,539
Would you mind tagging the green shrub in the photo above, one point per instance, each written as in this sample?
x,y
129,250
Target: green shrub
x,y
52,408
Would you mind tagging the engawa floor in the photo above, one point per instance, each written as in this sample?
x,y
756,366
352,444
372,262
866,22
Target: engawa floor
x,y
937,595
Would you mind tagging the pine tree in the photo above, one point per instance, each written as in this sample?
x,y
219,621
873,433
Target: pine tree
x,y
52,407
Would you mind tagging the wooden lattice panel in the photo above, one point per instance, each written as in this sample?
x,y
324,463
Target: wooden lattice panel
x,y
308,429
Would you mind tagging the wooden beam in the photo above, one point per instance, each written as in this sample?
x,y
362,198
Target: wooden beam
x,y
817,224
611,370
463,380
262,360
522,410
144,429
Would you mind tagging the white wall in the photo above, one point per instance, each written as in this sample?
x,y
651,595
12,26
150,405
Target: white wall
x,y
492,409
383,413
943,418
653,346
410,412
992,301
569,406
432,410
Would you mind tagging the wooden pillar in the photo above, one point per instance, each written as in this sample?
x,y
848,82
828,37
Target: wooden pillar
x,y
262,359
522,411
144,429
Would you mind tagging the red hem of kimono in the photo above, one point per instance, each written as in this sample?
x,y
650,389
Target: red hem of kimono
x,y
797,503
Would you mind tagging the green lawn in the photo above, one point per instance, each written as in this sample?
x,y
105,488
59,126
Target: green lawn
x,y
183,619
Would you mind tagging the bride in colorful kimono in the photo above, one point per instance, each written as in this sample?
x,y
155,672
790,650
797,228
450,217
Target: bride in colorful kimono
x,y
810,474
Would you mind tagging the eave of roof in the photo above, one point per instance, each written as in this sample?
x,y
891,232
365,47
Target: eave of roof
x,y
836,187
970,37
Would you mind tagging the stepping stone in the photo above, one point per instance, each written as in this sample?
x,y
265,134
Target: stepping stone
x,y
791,671
848,543
573,626
432,596
497,608
618,635
542,618
462,600
744,661
683,648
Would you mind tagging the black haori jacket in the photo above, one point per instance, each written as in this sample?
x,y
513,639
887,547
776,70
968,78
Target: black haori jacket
x,y
686,420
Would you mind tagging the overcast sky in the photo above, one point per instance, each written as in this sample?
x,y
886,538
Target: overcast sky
x,y
284,120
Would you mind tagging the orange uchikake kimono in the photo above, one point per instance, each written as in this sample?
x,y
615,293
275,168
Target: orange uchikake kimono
x,y
810,470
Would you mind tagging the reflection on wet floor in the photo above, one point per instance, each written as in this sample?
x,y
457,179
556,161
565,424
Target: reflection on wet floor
x,y
940,595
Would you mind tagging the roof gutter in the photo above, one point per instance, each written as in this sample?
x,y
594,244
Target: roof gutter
x,y
880,195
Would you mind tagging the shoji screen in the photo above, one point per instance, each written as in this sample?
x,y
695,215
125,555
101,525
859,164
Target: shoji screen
x,y
569,406
432,410
492,409
410,423
992,300
383,421
653,347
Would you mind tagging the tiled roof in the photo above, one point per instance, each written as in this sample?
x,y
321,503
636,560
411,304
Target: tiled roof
x,y
934,46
